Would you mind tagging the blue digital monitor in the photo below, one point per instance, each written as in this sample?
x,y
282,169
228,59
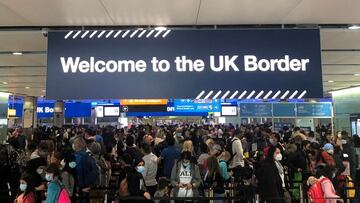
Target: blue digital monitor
x,y
314,109
284,109
255,110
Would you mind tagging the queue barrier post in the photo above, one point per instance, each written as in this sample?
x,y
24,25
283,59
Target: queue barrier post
x,y
232,191
211,194
301,193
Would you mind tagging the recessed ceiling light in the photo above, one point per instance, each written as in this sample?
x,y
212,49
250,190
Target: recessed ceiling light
x,y
354,27
17,53
330,81
27,87
43,90
160,28
5,83
356,74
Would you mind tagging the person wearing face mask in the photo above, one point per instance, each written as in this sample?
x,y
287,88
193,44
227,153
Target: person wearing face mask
x,y
36,170
349,154
274,140
26,193
68,175
135,180
272,174
185,177
54,184
327,154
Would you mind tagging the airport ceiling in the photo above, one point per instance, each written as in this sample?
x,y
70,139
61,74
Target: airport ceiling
x,y
21,24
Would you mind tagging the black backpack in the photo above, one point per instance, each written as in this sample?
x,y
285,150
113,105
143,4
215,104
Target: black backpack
x,y
229,148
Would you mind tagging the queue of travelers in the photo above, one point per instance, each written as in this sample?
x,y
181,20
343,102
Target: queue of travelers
x,y
178,163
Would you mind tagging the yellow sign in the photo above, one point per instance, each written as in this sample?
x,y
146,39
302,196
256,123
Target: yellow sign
x,y
11,112
133,102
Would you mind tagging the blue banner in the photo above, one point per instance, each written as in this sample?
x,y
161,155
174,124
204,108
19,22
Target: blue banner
x,y
202,105
45,110
77,110
132,64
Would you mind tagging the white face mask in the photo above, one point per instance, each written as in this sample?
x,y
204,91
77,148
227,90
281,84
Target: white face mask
x,y
40,171
330,151
272,141
278,157
343,141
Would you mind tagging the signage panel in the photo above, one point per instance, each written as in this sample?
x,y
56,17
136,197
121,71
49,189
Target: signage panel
x,y
284,109
314,109
202,105
45,110
111,111
228,110
255,110
77,109
130,102
184,64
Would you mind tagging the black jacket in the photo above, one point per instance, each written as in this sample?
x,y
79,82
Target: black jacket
x,y
133,178
270,183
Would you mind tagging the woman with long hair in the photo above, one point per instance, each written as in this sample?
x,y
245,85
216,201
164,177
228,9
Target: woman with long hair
x,y
214,179
26,193
271,177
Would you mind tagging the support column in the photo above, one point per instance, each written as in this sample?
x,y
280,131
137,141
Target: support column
x,y
29,121
29,113
4,99
59,111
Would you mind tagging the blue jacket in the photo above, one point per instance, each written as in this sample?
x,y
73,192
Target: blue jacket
x,y
86,170
53,192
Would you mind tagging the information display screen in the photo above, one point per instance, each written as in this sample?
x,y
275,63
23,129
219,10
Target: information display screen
x,y
111,111
314,109
284,109
229,111
255,110
99,111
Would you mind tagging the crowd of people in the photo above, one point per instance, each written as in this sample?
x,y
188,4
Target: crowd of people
x,y
183,161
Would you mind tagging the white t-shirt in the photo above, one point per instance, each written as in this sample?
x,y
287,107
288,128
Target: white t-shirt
x,y
185,178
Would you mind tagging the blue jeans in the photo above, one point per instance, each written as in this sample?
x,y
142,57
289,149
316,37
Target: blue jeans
x,y
218,195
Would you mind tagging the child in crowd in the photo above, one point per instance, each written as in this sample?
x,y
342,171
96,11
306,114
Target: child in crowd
x,y
162,191
26,191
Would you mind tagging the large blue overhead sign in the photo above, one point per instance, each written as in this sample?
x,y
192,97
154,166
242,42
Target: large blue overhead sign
x,y
274,63
201,105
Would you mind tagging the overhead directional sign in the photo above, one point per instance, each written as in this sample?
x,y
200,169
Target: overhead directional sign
x,y
284,110
255,109
314,109
201,64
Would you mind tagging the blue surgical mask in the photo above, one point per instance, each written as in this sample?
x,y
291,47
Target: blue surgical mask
x,y
23,187
140,169
72,164
186,164
48,178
